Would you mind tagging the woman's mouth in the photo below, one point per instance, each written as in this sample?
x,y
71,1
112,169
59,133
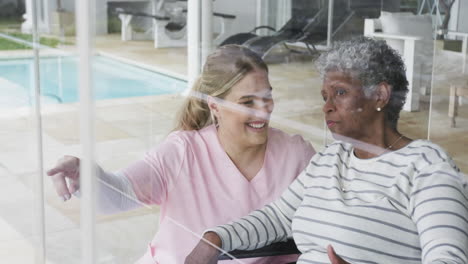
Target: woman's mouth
x,y
256,125
330,123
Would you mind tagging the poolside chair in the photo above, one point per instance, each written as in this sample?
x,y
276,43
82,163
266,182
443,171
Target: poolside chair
x,y
309,28
275,249
293,31
241,38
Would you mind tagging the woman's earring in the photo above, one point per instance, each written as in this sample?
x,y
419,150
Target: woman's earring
x,y
379,109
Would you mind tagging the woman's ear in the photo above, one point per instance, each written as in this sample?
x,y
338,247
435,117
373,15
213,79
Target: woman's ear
x,y
213,105
383,93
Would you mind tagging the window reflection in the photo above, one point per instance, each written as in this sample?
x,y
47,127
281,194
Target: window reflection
x,y
141,70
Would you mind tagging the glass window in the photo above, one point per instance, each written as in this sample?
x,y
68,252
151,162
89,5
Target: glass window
x,y
147,61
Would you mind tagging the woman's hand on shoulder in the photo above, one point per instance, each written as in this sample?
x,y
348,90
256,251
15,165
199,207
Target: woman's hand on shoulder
x,y
204,253
66,176
334,258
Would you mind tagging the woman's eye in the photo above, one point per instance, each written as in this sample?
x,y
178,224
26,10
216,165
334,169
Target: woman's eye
x,y
324,98
340,92
250,102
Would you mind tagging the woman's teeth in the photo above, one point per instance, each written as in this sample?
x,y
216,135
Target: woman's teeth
x,y
257,125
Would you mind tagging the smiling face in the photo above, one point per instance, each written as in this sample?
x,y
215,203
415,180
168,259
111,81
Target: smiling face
x,y
348,112
244,115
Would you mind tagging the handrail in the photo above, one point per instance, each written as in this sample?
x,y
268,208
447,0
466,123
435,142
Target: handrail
x,y
276,249
141,14
223,15
394,36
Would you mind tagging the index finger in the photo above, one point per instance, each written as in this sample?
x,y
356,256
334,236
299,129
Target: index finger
x,y
55,170
60,185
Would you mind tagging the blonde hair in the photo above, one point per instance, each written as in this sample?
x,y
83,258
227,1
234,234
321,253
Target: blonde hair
x,y
223,69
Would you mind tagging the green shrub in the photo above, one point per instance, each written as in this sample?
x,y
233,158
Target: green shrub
x,y
113,24
6,44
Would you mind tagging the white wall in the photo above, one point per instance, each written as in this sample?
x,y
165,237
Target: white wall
x,y
462,17
68,5
244,10
458,20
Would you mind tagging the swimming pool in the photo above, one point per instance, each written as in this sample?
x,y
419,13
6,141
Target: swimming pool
x,y
59,81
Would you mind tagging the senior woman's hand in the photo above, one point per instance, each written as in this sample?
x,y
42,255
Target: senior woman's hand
x,y
204,253
334,258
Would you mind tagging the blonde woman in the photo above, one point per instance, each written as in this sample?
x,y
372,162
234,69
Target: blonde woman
x,y
221,162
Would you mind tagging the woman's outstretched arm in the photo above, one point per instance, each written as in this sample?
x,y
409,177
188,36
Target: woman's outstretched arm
x,y
115,193
145,181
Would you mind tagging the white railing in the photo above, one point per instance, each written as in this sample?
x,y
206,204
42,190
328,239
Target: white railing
x,y
85,24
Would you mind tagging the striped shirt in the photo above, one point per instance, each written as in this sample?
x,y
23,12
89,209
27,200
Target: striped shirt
x,y
406,206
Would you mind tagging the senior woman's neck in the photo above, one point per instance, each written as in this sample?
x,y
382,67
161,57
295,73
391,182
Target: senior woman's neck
x,y
385,142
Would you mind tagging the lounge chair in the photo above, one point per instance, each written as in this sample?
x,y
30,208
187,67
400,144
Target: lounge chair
x,y
293,31
241,38
305,26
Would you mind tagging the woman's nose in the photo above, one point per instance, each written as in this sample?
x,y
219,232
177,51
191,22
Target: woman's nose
x,y
265,105
263,108
328,106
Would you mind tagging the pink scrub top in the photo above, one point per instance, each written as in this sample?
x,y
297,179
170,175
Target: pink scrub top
x,y
198,187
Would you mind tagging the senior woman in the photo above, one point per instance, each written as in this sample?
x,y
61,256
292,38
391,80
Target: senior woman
x,y
372,196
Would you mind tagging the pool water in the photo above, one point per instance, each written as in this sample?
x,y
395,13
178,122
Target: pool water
x,y
59,81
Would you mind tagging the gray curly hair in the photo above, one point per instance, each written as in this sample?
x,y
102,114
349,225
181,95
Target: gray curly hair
x,y
372,62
